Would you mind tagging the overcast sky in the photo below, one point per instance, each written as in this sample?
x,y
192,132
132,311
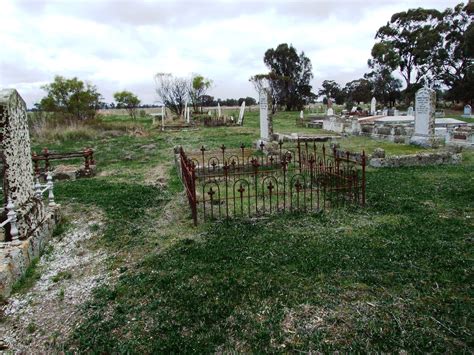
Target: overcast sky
x,y
120,45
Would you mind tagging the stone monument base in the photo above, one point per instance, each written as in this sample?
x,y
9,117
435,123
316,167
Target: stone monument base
x,y
425,141
15,257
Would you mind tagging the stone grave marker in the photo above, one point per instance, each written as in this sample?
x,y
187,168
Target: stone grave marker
x,y
330,112
264,124
301,115
373,104
467,111
425,103
410,111
385,112
219,112
240,122
15,141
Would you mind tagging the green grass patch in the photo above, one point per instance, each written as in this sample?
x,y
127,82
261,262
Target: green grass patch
x,y
27,281
392,277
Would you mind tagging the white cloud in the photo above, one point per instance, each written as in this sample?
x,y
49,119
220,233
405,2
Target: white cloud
x,y
122,44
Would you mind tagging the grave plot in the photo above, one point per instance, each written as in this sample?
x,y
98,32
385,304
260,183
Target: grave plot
x,y
42,163
243,182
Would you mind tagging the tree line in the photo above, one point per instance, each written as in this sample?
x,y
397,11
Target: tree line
x,y
426,47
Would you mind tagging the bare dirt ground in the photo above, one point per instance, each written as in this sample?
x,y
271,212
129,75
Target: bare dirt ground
x,y
44,316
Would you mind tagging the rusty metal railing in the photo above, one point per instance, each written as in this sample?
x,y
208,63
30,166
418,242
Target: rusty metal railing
x,y
47,156
244,182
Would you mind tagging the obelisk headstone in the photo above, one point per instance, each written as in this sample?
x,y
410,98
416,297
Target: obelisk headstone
x,y
219,112
425,104
373,104
264,129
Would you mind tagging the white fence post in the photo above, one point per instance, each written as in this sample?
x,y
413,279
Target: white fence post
x,y
12,216
50,185
37,188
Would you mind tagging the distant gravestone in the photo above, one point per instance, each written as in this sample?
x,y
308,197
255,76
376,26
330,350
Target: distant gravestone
x,y
264,127
410,111
373,104
354,109
330,112
396,112
185,112
425,103
163,113
385,112
240,122
219,112
302,115
467,111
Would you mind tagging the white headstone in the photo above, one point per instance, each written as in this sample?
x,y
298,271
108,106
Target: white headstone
x,y
396,112
373,103
385,112
219,112
263,99
188,115
425,103
209,113
353,109
301,114
241,114
330,112
467,110
163,110
410,111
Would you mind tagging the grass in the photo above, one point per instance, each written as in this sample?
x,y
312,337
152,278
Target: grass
x,y
29,278
395,276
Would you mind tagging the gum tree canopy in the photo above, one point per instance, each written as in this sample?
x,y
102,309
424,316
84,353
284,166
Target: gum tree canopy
x,y
70,97
290,75
127,100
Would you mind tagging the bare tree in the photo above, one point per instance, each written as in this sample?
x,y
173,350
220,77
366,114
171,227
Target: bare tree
x,y
172,91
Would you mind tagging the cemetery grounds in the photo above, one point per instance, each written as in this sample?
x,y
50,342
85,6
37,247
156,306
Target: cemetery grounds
x,y
393,276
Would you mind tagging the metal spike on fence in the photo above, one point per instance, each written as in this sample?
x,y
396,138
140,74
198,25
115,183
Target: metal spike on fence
x,y
12,216
50,185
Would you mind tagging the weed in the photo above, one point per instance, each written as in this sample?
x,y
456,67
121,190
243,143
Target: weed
x,y
28,279
62,275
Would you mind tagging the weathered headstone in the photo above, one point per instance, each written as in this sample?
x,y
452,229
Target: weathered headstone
x,y
33,221
373,103
353,109
410,111
219,112
185,112
16,150
330,112
264,124
385,112
396,112
302,115
241,114
467,111
425,103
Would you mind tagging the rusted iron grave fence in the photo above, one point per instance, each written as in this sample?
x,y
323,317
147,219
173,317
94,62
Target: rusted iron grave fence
x,y
47,156
244,182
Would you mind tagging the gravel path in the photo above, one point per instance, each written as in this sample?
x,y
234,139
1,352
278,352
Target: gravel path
x,y
46,314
